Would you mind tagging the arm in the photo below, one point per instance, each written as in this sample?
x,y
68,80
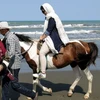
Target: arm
x,y
51,25
43,36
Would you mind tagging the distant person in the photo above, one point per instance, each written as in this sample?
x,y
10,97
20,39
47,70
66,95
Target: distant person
x,y
54,36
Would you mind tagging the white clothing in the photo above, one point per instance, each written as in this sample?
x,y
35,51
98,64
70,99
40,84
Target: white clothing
x,y
44,50
51,13
48,44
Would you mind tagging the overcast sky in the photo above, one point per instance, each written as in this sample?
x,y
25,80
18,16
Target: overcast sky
x,y
13,10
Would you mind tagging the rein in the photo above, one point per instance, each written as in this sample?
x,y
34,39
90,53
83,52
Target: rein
x,y
24,52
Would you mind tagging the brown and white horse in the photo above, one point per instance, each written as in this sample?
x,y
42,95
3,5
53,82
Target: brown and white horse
x,y
78,54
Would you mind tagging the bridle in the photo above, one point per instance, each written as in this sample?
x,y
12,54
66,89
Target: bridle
x,y
24,52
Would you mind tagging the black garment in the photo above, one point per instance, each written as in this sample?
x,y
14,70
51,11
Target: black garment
x,y
8,78
53,33
4,69
15,73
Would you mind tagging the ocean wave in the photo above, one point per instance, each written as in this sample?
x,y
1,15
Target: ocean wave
x,y
27,26
33,33
81,31
65,26
81,26
67,32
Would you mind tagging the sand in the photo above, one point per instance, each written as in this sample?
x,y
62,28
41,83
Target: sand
x,y
60,82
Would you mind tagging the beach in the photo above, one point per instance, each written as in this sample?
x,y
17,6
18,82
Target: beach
x,y
60,82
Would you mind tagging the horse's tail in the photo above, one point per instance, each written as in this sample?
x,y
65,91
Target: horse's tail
x,y
86,60
93,52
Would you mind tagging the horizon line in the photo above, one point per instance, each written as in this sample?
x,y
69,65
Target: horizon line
x,y
43,20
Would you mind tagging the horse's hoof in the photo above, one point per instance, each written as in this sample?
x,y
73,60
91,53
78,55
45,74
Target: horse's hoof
x,y
69,94
86,97
29,98
50,90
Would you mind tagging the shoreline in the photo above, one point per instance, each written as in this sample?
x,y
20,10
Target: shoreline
x,y
60,82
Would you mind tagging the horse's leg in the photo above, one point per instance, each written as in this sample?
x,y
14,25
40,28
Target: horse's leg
x,y
76,70
33,66
36,82
45,89
90,78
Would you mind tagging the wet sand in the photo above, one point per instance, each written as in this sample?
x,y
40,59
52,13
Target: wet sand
x,y
60,82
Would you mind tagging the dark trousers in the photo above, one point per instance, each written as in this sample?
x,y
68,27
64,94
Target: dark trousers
x,y
12,92
16,86
15,73
7,88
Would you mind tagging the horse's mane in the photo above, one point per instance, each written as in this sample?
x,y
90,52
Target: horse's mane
x,y
23,38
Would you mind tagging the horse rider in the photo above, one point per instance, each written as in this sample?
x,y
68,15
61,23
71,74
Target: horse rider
x,y
54,36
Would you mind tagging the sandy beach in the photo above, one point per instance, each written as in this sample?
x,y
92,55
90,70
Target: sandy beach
x,y
60,82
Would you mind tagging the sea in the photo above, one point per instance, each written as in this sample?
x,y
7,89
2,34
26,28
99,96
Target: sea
x,y
85,30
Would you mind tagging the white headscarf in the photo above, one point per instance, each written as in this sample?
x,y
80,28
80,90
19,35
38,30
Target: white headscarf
x,y
51,13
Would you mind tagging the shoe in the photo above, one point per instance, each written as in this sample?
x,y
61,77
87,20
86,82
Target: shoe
x,y
36,97
36,75
40,75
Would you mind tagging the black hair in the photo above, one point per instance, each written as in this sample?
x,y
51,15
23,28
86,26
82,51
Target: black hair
x,y
41,8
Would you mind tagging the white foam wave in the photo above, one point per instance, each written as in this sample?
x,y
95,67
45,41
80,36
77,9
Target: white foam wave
x,y
39,33
33,33
73,25
67,32
28,26
65,26
22,26
80,31
88,39
80,26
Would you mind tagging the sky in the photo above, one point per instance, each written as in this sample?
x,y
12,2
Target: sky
x,y
18,10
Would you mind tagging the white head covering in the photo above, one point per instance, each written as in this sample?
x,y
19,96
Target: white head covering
x,y
48,8
4,25
51,13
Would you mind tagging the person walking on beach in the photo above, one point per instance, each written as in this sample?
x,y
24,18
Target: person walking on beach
x,y
54,36
13,48
8,77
